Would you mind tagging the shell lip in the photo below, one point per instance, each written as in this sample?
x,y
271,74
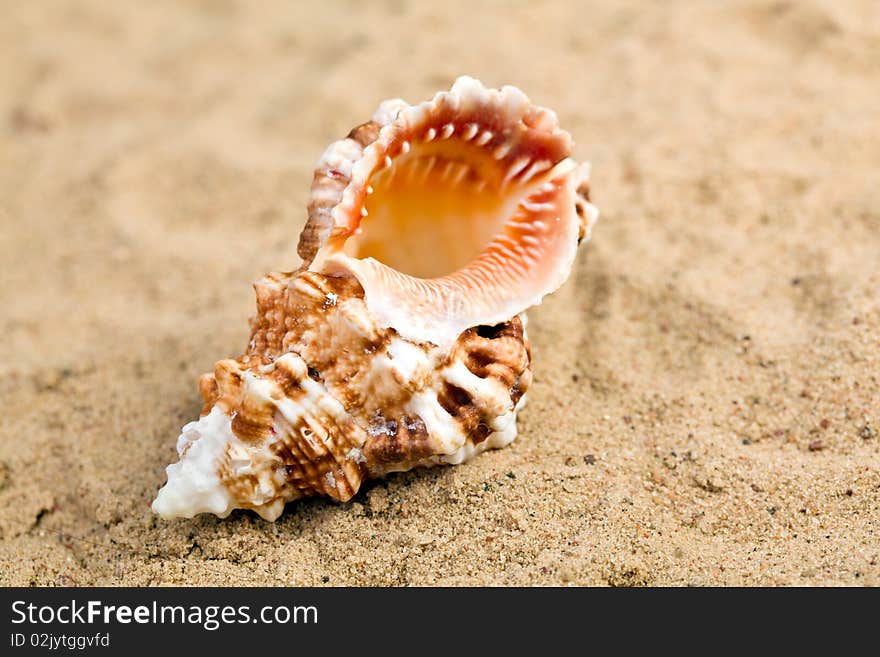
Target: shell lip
x,y
537,246
503,122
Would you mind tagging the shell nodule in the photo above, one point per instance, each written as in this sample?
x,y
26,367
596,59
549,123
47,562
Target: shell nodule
x,y
400,341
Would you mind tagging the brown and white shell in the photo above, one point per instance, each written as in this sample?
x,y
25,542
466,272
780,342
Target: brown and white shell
x,y
400,341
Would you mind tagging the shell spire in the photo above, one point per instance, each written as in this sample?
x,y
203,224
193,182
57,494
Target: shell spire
x,y
400,341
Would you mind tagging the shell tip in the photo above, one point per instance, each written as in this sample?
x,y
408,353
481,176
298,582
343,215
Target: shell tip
x,y
194,485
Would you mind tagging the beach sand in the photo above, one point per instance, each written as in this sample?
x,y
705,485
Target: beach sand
x,y
706,402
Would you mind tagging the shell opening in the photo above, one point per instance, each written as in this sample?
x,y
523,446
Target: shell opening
x,y
434,209
456,212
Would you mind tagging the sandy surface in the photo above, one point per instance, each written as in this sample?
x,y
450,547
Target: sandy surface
x,y
706,405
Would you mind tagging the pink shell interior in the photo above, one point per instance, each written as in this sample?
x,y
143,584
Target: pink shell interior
x,y
460,213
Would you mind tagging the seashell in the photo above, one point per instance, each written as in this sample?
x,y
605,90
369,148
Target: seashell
x,y
400,341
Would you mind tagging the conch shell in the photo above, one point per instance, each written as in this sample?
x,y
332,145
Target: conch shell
x,y
400,341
